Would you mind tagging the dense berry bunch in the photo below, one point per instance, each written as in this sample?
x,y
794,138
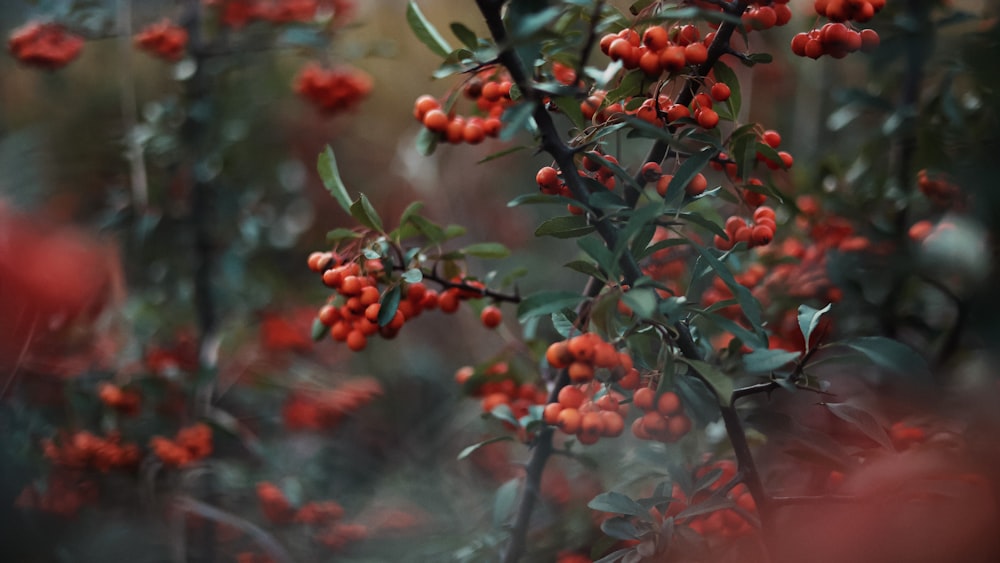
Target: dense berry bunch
x,y
765,15
936,187
489,89
238,13
834,39
64,493
721,524
588,411
45,45
163,39
189,445
84,450
125,401
325,409
663,416
332,90
758,232
497,385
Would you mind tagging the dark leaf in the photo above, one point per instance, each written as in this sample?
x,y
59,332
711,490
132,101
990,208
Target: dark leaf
x,y
389,305
328,172
425,31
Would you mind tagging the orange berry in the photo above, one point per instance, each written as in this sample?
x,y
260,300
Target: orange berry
x,y
551,413
436,120
581,347
569,420
644,398
558,355
668,404
720,92
356,340
580,372
592,424
614,424
571,397
491,316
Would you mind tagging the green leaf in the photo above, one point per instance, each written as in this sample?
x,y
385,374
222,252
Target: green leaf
x,y
600,253
720,384
515,119
434,233
748,303
547,302
528,199
319,330
454,231
504,502
363,211
501,154
425,31
629,86
642,301
757,58
809,320
504,413
584,267
863,421
413,275
726,75
891,355
465,35
620,528
410,211
427,141
470,449
691,167
570,107
617,503
766,361
390,302
339,234
328,172
567,226
486,250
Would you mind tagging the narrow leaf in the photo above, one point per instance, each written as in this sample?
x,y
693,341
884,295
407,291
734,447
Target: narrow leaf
x,y
720,384
809,320
486,250
617,503
389,304
470,449
891,355
363,211
425,31
547,302
328,172
567,226
863,421
766,361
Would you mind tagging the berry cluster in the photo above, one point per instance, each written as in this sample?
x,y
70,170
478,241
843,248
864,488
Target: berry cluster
x,y
125,401
489,89
847,10
652,172
84,450
324,516
163,39
586,353
238,13
658,49
64,494
332,90
727,523
325,409
759,232
585,408
190,445
942,193
45,45
760,15
582,412
663,419
550,180
834,39
496,385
